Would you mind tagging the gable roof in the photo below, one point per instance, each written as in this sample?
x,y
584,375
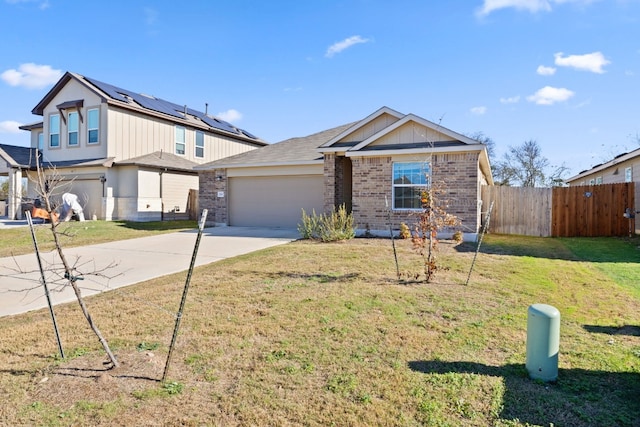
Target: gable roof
x,y
161,160
16,156
293,151
148,105
337,143
597,168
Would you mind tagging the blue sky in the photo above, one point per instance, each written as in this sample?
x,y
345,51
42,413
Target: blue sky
x,y
565,73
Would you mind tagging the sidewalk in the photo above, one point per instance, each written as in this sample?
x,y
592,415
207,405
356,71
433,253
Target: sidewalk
x,y
127,262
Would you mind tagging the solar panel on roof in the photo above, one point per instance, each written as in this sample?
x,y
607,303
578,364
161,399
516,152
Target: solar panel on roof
x,y
248,134
157,105
218,124
112,91
166,107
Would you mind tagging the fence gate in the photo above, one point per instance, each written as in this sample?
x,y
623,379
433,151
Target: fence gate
x,y
593,210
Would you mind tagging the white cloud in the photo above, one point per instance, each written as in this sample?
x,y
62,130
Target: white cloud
x,y
42,4
545,71
230,116
510,100
550,95
344,44
479,111
533,6
589,62
10,126
31,76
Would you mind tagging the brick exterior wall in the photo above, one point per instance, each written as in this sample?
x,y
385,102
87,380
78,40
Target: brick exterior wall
x,y
335,191
372,182
208,196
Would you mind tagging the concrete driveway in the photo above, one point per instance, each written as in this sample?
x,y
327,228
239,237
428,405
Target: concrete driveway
x,y
126,262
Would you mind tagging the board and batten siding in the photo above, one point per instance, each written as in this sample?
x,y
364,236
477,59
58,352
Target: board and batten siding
x,y
133,134
72,91
175,191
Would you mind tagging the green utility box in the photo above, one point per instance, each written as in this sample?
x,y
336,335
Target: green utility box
x,y
543,342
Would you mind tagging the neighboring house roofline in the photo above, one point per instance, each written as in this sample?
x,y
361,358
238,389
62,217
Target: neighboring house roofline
x,y
620,158
94,86
17,156
82,163
7,158
160,160
258,165
32,126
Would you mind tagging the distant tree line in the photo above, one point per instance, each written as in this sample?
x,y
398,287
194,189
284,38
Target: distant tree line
x,y
522,165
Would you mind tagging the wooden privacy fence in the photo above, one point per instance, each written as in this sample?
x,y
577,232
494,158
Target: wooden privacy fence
x,y
518,210
581,211
593,210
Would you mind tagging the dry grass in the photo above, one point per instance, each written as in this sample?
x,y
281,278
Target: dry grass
x,y
322,334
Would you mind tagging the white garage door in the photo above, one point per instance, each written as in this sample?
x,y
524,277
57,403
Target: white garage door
x,y
273,201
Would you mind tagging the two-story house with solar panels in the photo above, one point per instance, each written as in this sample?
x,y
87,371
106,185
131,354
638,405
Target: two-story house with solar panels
x,y
126,155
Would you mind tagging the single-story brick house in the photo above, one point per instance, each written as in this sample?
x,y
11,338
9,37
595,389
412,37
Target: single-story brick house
x,y
382,160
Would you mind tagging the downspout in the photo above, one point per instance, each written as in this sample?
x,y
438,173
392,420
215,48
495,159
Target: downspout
x,y
161,196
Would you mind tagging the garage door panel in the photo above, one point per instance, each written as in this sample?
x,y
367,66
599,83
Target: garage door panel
x,y
273,201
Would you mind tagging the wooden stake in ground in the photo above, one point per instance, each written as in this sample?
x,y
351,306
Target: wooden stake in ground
x,y
44,284
184,294
46,186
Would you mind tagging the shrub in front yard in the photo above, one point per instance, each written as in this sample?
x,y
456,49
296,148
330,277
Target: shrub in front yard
x,y
330,227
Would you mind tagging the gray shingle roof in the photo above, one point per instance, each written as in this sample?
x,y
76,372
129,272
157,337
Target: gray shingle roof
x,y
161,160
290,151
20,156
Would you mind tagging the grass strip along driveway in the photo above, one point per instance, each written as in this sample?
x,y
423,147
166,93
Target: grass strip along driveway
x,y
323,334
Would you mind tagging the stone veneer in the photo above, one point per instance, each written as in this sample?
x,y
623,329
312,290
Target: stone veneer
x,y
208,198
458,172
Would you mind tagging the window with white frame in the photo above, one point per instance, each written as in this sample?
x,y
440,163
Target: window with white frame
x,y
598,180
592,181
199,144
72,129
40,141
410,179
180,140
628,174
54,130
93,126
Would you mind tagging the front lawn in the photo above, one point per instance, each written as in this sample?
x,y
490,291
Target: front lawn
x,y
18,241
323,334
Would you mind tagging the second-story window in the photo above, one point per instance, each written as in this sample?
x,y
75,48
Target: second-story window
x,y
54,131
93,126
199,144
180,140
72,127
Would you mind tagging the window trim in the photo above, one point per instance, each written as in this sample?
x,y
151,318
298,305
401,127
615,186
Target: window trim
x,y
599,180
51,133
628,174
90,129
40,140
425,169
196,146
183,143
76,131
